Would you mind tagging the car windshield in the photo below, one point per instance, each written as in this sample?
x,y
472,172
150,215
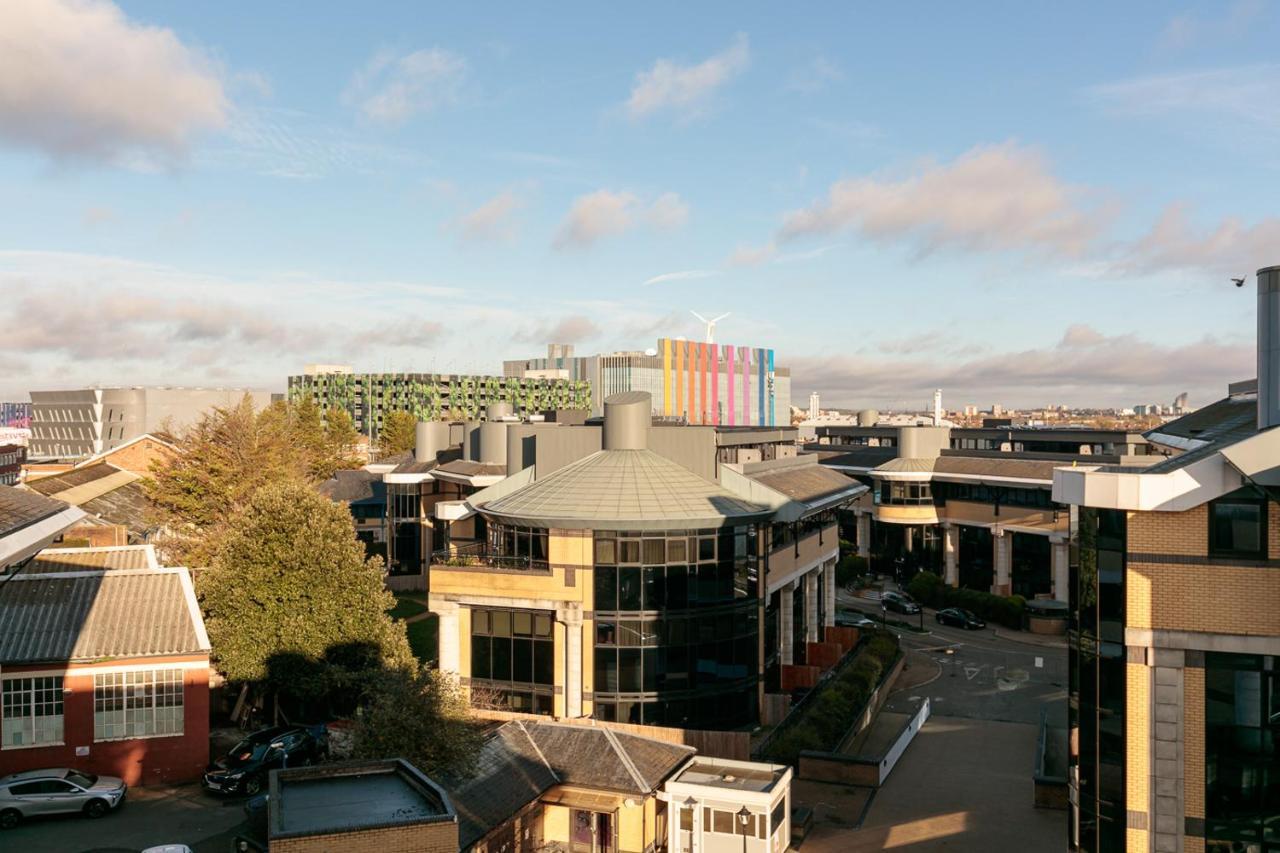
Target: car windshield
x,y
246,752
84,780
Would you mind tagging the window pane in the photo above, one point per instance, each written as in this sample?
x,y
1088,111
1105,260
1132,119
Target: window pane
x,y
522,660
542,626
522,624
480,653
500,620
629,589
543,663
677,587
480,622
677,550
629,680
606,588
655,587
501,659
655,552
630,551
606,551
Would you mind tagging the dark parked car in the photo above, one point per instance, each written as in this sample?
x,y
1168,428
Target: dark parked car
x,y
899,602
959,618
244,769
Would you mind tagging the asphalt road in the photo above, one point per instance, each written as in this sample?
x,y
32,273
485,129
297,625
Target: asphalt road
x,y
982,676
150,817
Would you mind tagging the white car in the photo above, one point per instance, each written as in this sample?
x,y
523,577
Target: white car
x,y
169,848
57,790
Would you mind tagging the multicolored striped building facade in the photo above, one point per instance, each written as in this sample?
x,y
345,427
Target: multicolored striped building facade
x,y
722,384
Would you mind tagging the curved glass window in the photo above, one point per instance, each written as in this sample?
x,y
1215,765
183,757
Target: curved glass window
x,y
677,616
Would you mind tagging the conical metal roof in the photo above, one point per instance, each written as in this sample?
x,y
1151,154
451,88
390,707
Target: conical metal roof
x,y
624,490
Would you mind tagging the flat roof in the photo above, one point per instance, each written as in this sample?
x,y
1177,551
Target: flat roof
x,y
353,797
733,776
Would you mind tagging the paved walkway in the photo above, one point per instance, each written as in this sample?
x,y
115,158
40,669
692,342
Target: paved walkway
x,y
962,785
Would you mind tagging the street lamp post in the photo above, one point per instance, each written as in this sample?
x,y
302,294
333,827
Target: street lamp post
x,y
744,815
692,805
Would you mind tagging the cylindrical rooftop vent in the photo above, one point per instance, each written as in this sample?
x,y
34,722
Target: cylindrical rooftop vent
x,y
498,411
429,439
626,420
1268,347
493,444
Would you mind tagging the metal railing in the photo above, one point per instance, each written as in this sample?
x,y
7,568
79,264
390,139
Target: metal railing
x,y
478,555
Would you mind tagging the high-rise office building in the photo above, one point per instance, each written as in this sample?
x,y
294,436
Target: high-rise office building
x,y
1174,656
86,421
700,383
370,397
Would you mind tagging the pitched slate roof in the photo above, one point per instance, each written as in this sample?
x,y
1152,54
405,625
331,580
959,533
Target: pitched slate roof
x,y
853,457
19,509
624,490
87,615
522,760
105,492
356,486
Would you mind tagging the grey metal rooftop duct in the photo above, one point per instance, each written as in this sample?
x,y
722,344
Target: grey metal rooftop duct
x,y
430,438
1268,347
626,420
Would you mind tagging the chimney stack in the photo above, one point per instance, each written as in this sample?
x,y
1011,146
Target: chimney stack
x,y
626,420
1268,347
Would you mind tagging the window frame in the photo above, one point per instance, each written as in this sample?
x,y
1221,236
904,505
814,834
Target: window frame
x,y
53,696
137,696
1215,547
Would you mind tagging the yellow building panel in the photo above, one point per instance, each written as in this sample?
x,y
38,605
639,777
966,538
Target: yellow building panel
x,y
448,580
1172,596
966,512
1136,841
569,547
1137,738
555,824
907,514
1193,742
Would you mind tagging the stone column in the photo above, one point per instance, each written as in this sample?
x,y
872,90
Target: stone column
x,y
864,534
951,553
1002,545
786,630
1168,672
908,539
829,581
572,619
447,626
811,606
1058,562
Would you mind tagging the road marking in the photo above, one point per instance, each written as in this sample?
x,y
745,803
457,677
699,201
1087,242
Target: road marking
x,y
971,671
1039,663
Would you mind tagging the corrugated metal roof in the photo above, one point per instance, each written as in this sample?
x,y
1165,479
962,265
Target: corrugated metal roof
x,y
20,508
54,483
79,559
48,618
621,490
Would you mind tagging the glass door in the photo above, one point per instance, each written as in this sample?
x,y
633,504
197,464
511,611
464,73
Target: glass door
x,y
591,832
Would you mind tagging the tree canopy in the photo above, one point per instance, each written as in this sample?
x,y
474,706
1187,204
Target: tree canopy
x,y
420,716
398,433
228,454
291,587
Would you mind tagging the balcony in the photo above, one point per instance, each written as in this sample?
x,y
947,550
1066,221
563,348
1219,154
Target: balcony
x,y
478,555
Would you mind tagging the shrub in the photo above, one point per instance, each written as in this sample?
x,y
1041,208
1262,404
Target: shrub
x,y
850,567
927,588
930,590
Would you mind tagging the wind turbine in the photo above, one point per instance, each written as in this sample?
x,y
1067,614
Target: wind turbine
x,y
711,324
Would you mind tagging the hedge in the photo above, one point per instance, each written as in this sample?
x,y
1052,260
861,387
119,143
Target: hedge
x,y
850,567
827,715
931,590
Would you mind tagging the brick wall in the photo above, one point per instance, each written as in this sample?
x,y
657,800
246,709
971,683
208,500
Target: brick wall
x,y
137,457
1216,599
170,759
1137,749
441,837
1193,744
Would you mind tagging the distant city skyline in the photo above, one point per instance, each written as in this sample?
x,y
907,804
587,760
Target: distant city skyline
x,y
1005,211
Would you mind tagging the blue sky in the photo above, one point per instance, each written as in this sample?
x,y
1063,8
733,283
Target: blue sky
x,y
1017,203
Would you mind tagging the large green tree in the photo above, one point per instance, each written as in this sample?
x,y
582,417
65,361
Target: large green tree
x,y
225,457
419,715
398,433
290,596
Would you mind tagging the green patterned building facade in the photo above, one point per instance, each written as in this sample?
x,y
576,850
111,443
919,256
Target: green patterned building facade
x,y
369,397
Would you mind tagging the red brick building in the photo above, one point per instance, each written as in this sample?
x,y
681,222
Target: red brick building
x,y
104,666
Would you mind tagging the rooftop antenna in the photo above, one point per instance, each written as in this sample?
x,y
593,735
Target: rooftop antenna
x,y
711,325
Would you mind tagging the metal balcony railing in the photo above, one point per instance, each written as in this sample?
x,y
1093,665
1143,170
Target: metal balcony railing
x,y
479,555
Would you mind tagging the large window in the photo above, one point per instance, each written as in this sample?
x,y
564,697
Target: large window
x,y
1238,528
1096,672
1242,758
137,704
513,659
32,711
677,627
898,493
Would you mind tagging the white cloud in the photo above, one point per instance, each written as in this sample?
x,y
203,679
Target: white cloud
x,y
990,198
1084,367
668,212
606,213
753,256
392,88
1187,29
491,220
814,75
681,275
1247,94
1227,248
80,81
572,329
686,88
